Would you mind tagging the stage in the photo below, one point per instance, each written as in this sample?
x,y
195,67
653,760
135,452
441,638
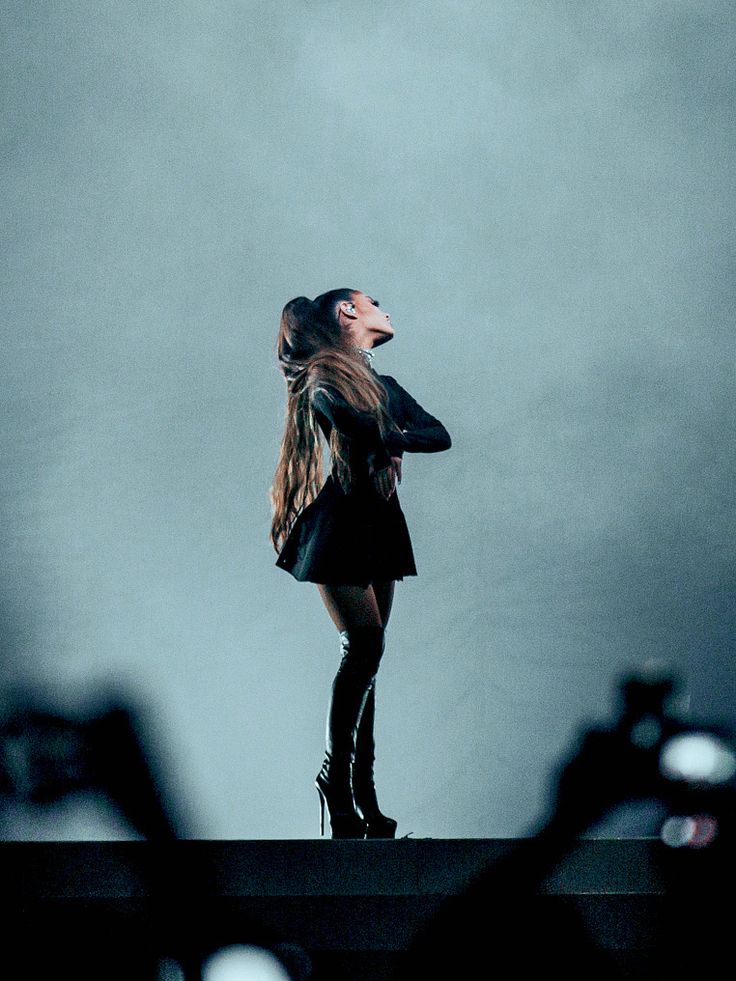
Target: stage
x,y
352,905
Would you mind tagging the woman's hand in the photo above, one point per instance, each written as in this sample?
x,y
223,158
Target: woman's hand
x,y
384,480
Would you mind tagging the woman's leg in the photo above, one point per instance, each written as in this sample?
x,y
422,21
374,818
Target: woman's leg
x,y
384,593
379,826
351,606
355,612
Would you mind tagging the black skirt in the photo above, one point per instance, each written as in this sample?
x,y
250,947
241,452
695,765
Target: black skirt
x,y
351,539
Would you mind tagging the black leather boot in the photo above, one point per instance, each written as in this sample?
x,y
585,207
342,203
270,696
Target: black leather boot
x,y
364,789
362,648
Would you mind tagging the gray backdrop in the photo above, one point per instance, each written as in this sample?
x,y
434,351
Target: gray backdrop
x,y
542,196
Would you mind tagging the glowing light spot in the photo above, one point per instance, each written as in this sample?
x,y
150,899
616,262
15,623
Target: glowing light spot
x,y
676,831
697,757
243,962
693,831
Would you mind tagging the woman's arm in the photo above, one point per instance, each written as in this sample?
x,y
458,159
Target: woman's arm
x,y
361,427
423,433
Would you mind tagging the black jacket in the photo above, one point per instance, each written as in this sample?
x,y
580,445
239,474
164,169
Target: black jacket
x,y
359,537
420,431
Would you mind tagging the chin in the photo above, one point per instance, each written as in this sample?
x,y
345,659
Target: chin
x,y
382,339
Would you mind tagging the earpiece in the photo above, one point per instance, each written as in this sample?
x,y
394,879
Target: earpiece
x,y
351,308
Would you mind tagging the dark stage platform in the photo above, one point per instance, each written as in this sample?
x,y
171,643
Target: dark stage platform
x,y
353,905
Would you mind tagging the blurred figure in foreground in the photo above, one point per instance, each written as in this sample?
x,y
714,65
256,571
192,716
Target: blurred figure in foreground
x,y
501,924
49,752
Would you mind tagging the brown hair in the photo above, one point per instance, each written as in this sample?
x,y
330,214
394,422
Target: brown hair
x,y
313,350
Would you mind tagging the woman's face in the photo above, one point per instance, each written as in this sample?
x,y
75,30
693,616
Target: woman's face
x,y
367,324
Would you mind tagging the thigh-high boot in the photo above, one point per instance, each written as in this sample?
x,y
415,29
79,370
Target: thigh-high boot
x,y
364,789
361,647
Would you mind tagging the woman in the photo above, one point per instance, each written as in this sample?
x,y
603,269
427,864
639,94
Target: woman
x,y
349,535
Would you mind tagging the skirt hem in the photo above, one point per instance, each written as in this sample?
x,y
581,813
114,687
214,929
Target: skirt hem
x,y
344,581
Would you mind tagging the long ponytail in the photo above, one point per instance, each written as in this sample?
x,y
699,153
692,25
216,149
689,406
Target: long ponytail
x,y
313,350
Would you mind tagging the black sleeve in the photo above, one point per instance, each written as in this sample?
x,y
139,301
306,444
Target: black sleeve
x,y
361,427
423,432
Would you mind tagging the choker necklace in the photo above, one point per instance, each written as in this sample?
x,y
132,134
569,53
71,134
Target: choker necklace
x,y
367,353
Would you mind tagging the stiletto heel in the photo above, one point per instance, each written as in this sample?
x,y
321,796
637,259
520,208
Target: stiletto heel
x,y
345,822
321,812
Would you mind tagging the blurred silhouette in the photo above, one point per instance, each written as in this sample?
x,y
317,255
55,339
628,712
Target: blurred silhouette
x,y
104,748
502,924
67,752
47,754
51,752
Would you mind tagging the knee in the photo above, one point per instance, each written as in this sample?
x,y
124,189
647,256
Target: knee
x,y
363,645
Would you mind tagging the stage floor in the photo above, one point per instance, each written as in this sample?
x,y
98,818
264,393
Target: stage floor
x,y
353,905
